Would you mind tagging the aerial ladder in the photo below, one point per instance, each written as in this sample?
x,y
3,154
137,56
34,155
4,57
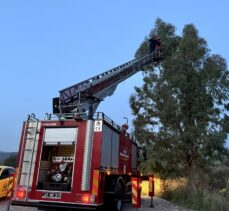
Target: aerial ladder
x,y
85,97
81,160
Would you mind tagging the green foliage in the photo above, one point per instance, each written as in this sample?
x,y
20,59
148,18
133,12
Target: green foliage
x,y
182,108
219,179
197,200
4,155
11,161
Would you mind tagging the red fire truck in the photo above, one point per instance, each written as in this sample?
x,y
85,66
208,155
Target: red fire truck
x,y
77,158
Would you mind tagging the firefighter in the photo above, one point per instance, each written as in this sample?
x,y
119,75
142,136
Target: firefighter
x,y
155,45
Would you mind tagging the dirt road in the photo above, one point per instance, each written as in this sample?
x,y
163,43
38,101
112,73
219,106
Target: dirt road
x,y
159,205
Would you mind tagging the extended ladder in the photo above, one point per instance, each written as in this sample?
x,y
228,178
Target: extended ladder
x,y
95,89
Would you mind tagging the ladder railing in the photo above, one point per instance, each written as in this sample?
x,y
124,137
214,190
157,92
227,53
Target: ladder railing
x,y
77,94
29,152
69,92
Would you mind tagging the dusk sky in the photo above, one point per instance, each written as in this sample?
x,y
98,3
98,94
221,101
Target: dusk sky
x,y
48,45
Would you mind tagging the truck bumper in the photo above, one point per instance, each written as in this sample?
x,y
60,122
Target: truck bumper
x,y
62,206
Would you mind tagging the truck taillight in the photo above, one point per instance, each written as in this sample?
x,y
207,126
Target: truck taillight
x,y
88,199
20,193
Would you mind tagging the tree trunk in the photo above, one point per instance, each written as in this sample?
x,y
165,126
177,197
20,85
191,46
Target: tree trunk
x,y
192,178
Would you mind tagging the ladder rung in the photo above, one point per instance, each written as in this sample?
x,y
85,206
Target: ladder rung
x,y
28,150
26,161
36,132
31,163
33,126
31,135
29,153
24,173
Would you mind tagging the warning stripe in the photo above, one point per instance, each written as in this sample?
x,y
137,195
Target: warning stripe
x,y
95,184
150,183
134,185
134,200
134,192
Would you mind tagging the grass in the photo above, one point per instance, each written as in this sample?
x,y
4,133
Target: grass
x,y
199,201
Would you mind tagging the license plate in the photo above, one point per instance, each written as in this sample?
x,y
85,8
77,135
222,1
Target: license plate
x,y
51,195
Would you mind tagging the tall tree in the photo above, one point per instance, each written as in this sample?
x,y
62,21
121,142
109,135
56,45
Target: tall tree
x,y
181,109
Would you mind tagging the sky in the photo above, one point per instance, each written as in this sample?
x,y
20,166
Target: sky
x,y
48,45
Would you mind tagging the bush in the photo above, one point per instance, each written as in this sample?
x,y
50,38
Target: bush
x,y
199,200
219,177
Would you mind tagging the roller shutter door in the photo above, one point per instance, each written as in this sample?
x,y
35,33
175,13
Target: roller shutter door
x,y
62,136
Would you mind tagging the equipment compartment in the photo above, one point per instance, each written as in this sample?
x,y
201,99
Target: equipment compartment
x,y
56,168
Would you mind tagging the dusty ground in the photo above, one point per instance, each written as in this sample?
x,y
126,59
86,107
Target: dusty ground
x,y
159,205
